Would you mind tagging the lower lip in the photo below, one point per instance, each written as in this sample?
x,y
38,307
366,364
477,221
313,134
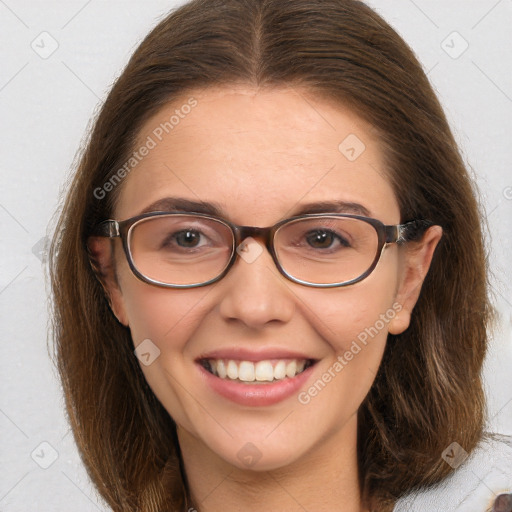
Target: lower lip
x,y
256,394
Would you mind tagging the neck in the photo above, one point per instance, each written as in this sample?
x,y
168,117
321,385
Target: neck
x,y
324,479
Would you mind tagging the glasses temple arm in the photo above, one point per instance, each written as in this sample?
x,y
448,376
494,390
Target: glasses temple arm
x,y
407,232
107,228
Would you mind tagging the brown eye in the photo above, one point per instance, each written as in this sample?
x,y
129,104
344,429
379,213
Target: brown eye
x,y
187,238
322,239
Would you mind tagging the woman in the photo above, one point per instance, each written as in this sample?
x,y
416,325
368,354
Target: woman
x,y
329,362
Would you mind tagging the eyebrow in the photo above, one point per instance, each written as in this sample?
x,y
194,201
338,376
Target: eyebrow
x,y
180,204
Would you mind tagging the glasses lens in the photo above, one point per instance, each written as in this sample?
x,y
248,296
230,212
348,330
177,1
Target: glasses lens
x,y
180,249
326,250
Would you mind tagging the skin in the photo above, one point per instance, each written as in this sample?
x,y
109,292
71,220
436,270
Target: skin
x,y
261,154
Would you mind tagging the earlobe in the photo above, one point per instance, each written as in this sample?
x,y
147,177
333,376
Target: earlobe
x,y
400,322
101,257
417,261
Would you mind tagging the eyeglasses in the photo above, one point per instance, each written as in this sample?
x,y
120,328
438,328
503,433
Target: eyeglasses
x,y
187,250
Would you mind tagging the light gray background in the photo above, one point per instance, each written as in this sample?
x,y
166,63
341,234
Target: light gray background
x,y
45,107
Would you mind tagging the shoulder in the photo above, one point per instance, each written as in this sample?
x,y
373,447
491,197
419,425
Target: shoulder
x,y
475,483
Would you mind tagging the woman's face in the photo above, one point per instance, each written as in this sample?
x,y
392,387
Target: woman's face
x,y
261,157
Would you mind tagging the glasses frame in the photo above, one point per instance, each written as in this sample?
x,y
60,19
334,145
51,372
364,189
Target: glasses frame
x,y
387,234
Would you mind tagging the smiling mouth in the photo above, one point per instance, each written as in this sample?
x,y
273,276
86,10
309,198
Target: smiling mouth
x,y
261,372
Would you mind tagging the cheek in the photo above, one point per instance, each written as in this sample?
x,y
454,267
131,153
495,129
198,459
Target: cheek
x,y
167,317
361,312
354,323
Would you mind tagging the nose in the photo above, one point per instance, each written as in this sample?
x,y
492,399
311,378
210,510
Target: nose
x,y
254,292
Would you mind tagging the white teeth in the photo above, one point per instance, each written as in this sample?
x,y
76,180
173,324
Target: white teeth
x,y
221,369
262,371
280,370
246,371
232,370
291,369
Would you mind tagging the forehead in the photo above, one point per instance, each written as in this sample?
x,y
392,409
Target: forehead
x,y
258,155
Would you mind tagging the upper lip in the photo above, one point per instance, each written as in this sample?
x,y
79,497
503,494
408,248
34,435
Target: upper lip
x,y
244,354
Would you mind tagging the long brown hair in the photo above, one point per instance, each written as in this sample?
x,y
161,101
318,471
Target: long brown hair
x,y
428,391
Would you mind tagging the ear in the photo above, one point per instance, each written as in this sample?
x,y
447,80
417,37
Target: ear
x,y
416,262
101,256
